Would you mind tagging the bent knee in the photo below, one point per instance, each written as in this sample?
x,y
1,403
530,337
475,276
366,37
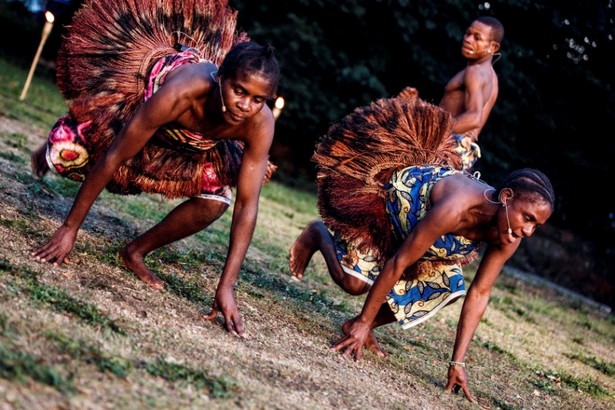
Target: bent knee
x,y
218,208
210,209
354,286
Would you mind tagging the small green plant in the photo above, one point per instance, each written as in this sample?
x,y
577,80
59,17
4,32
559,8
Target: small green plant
x,y
493,347
503,405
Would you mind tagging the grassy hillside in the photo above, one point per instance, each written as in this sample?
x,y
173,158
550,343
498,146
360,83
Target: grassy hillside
x,y
91,335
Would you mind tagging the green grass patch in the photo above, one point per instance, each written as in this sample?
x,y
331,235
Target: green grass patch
x,y
58,185
81,350
551,381
190,291
25,281
302,298
107,253
19,225
606,368
15,140
584,385
20,366
43,104
10,156
491,346
278,260
216,387
218,232
192,258
297,201
503,405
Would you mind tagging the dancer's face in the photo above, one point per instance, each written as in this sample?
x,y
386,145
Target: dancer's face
x,y
525,214
244,95
477,41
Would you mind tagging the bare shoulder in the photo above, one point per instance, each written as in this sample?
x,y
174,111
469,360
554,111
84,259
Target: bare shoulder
x,y
193,79
479,72
260,128
456,188
450,202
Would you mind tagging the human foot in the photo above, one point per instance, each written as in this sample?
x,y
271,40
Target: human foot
x,y
39,162
370,343
302,250
135,264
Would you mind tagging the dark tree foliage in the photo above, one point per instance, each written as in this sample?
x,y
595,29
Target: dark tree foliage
x,y
556,97
21,30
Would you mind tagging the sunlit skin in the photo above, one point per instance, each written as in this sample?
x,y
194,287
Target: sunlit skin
x,y
471,93
459,206
191,98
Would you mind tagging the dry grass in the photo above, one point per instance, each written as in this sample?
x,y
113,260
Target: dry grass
x,y
90,335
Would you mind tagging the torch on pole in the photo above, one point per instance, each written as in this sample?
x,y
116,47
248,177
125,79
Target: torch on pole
x,y
277,107
49,18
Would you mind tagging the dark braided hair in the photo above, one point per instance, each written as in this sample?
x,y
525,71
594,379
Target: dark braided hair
x,y
529,182
251,57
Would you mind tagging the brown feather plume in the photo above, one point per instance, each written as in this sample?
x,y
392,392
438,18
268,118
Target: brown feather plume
x,y
103,64
358,155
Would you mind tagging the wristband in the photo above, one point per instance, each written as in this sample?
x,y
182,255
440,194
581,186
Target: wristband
x,y
454,363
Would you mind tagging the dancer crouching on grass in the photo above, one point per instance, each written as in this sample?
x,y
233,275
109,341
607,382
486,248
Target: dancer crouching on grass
x,y
188,128
400,220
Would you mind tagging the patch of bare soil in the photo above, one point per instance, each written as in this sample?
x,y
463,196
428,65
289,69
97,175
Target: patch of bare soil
x,y
285,363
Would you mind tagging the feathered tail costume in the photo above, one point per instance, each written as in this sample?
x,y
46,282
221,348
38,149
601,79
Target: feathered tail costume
x,y
358,155
103,65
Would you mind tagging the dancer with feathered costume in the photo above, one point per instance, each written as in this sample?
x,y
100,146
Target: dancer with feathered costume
x,y
400,220
166,97
104,67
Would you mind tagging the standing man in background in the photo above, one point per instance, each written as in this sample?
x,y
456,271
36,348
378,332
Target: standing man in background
x,y
471,94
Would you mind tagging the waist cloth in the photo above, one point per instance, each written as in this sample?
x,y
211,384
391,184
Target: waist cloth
x,y
413,300
68,148
470,155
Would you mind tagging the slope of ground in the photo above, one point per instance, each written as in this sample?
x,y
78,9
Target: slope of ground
x,y
90,335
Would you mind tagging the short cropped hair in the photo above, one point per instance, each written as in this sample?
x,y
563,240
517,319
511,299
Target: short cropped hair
x,y
497,29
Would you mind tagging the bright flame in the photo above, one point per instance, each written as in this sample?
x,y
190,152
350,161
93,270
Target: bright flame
x,y
49,16
279,103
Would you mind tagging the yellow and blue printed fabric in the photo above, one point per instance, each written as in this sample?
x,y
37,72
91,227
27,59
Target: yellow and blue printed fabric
x,y
470,155
415,300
